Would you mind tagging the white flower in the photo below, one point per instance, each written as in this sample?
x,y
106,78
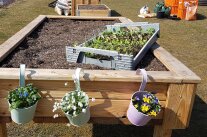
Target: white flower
x,y
74,113
79,93
66,83
66,98
80,104
93,99
73,101
54,109
84,110
55,116
68,107
84,94
74,107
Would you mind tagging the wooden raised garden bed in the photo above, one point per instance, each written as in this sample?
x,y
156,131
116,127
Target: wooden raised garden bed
x,y
100,10
76,2
112,89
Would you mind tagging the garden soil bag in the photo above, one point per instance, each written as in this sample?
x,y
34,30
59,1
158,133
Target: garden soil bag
x,y
191,11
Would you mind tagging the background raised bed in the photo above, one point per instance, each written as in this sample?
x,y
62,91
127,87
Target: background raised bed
x,y
100,10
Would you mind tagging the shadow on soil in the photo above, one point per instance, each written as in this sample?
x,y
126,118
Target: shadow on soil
x,y
115,13
197,127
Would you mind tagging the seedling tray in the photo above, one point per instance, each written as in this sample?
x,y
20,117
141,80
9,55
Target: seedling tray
x,y
117,61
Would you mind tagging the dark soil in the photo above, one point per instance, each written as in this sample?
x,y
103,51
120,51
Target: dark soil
x,y
92,7
45,47
150,63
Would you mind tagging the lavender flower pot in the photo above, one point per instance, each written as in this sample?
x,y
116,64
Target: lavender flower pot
x,y
135,117
80,119
23,115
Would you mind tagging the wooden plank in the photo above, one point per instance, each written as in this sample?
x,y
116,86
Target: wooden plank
x,y
159,131
101,13
9,45
3,130
178,107
95,1
107,90
99,108
125,20
94,120
90,75
175,65
83,18
73,7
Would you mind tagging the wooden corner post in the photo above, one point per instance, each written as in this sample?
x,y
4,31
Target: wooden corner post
x,y
179,104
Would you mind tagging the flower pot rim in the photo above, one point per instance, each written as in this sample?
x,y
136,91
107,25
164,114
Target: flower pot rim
x,y
24,107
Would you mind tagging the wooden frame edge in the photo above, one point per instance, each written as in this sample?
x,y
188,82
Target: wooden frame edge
x,y
172,64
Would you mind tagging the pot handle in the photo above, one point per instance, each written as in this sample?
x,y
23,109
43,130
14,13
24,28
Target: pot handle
x,y
143,72
22,75
76,77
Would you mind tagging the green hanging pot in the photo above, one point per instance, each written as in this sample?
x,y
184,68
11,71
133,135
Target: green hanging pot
x,y
23,115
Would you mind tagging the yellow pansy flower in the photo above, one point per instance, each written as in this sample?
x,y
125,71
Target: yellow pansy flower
x,y
136,105
144,108
153,113
146,100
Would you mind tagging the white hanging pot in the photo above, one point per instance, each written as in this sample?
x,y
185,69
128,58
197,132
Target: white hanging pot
x,y
23,115
80,119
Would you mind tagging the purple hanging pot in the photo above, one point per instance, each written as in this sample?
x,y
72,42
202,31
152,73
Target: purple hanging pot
x,y
135,117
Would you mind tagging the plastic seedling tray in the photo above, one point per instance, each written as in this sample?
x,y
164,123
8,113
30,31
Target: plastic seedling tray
x,y
117,61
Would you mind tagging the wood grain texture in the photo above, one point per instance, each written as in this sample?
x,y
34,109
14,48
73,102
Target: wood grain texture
x,y
101,13
72,8
94,120
90,12
180,99
90,75
175,65
125,20
99,90
3,130
159,131
9,45
100,108
76,2
82,18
